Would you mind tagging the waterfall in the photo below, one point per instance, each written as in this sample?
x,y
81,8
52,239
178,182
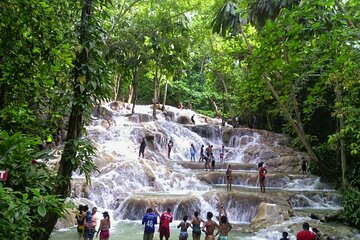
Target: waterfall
x,y
127,185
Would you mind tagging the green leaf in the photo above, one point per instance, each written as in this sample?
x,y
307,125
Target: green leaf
x,y
41,210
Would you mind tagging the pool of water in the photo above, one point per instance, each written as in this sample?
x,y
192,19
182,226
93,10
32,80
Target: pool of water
x,y
133,230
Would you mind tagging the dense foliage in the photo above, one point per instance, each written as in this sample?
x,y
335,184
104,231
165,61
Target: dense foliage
x,y
292,64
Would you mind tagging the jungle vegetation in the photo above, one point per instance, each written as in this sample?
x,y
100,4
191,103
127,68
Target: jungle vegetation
x,y
294,64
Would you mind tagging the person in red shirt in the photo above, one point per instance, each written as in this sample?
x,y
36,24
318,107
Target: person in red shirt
x,y
165,219
262,173
306,234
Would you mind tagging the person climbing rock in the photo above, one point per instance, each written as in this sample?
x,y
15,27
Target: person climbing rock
x,y
170,146
142,147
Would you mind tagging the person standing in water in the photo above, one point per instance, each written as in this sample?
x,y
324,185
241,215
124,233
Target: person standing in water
x,y
104,228
222,153
209,227
195,222
149,220
228,178
142,147
90,224
192,153
165,219
262,174
201,153
184,225
170,146
225,228
80,218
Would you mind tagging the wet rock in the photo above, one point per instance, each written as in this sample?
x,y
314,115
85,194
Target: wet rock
x,y
117,106
184,119
267,215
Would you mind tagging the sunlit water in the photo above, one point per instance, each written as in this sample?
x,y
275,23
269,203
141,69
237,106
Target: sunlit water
x,y
127,175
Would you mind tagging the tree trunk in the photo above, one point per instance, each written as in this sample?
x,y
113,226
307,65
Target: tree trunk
x,y
295,127
287,115
217,114
221,77
130,93
76,123
342,141
117,87
155,100
165,93
135,89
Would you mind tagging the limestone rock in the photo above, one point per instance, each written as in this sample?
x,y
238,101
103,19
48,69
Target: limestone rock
x,y
267,215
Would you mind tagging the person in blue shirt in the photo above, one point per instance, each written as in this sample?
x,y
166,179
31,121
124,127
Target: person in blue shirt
x,y
149,220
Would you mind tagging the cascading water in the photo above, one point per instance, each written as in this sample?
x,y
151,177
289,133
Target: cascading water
x,y
126,184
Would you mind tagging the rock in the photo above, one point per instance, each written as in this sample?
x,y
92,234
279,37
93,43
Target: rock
x,y
183,119
117,106
267,215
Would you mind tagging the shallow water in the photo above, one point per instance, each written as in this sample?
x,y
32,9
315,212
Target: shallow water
x,y
131,230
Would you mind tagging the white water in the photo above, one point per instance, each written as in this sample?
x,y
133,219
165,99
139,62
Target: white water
x,y
125,175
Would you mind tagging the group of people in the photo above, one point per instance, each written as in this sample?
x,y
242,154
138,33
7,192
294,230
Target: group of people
x,y
86,224
197,225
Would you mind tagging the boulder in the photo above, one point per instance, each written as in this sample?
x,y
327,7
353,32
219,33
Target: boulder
x,y
267,215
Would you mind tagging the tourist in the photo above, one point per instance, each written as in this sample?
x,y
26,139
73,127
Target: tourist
x,y
149,220
59,136
201,153
222,212
192,152
170,146
225,228
262,174
306,234
207,162
80,218
228,178
209,227
254,122
90,224
195,224
212,162
180,105
222,152
104,228
165,219
142,147
285,236
304,166
184,225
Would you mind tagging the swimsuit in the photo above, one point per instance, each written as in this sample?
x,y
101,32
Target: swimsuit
x,y
223,237
105,233
196,229
183,234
